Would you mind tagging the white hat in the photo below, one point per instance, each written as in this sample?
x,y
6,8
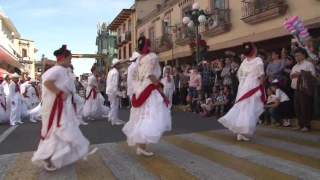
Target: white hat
x,y
33,81
134,56
115,61
275,81
4,76
15,75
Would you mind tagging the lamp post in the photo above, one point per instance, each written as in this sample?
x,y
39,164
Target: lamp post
x,y
166,23
43,62
193,18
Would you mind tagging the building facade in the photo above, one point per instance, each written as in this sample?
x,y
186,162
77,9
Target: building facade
x,y
27,49
229,25
105,42
9,53
124,27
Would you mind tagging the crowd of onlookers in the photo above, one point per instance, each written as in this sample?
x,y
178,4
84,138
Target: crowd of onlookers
x,y
210,87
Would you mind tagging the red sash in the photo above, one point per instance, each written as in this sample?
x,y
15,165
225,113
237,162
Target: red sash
x,y
145,94
17,89
252,91
93,90
4,105
58,103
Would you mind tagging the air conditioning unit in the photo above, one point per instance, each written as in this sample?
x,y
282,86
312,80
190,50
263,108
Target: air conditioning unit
x,y
123,37
105,51
212,21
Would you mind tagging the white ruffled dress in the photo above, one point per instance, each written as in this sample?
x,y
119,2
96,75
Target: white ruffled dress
x,y
148,122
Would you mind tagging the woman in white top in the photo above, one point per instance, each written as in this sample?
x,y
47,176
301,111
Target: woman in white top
x,y
62,141
285,103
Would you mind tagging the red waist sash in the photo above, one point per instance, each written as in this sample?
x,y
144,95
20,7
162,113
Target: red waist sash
x,y
93,90
252,91
57,105
145,94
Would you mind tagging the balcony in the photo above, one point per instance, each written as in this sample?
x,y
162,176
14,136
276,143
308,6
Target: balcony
x,y
163,43
219,22
126,37
7,44
152,45
261,10
105,51
184,34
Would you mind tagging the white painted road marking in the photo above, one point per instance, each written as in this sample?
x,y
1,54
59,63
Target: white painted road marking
x,y
4,135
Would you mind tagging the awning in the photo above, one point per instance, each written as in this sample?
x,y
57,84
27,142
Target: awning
x,y
8,59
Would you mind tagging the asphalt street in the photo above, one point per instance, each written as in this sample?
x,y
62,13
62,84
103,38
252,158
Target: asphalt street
x,y
26,137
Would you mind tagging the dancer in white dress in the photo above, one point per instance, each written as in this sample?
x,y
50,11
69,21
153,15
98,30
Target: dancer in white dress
x,y
62,142
244,115
93,107
33,98
149,116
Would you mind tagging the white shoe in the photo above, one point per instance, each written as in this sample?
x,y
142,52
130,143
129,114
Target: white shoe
x,y
14,124
20,122
33,121
90,153
46,166
242,137
116,123
143,152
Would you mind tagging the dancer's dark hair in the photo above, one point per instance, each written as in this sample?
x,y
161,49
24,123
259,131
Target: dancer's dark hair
x,y
62,51
248,48
142,45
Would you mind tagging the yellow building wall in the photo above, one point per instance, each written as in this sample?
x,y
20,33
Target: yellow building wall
x,y
308,11
30,68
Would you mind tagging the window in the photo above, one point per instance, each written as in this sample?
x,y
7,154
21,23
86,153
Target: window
x,y
218,4
119,55
166,29
124,28
188,8
124,52
141,34
24,53
129,25
151,34
130,50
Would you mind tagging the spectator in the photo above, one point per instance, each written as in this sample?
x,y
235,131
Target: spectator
x,y
183,84
219,103
271,108
194,84
234,79
207,105
275,68
176,92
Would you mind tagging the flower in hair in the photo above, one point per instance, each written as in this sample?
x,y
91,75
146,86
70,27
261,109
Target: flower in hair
x,y
247,47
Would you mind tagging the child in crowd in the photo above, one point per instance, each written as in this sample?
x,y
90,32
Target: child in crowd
x,y
219,99
196,101
285,104
207,105
271,108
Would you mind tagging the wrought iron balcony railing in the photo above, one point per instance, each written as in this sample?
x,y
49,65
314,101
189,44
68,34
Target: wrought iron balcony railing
x,y
217,23
163,43
257,10
126,37
184,34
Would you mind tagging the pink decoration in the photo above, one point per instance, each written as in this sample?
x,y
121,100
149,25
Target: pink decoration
x,y
291,28
287,27
293,19
295,24
300,25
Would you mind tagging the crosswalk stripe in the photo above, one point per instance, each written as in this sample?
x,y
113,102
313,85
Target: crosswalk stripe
x,y
240,165
279,144
159,166
280,153
284,166
122,164
196,165
314,133
5,162
289,139
21,168
93,169
290,134
65,173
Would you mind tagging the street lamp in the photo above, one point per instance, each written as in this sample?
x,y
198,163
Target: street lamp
x,y
193,18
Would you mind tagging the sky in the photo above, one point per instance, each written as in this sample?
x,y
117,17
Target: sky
x,y
51,23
